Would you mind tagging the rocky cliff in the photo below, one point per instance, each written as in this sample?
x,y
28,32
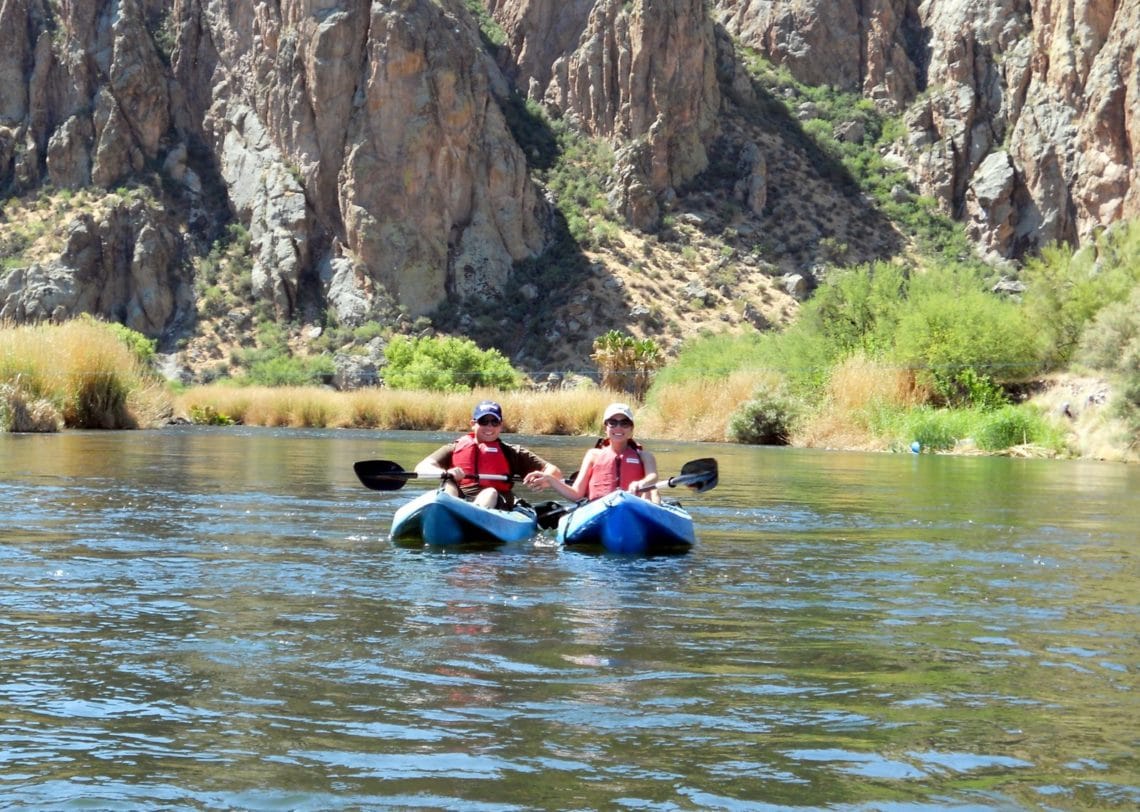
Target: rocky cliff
x,y
372,150
1022,115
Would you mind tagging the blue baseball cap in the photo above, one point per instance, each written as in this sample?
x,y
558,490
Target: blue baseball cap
x,y
487,407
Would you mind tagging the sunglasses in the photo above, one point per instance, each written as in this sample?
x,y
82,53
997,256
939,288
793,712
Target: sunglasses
x,y
622,422
489,421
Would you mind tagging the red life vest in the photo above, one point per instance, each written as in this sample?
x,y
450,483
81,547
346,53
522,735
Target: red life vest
x,y
612,471
477,458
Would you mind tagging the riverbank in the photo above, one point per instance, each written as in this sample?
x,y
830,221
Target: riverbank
x,y
1075,411
83,374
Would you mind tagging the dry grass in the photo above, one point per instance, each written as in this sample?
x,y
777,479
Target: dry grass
x,y
699,409
568,412
83,371
859,391
860,383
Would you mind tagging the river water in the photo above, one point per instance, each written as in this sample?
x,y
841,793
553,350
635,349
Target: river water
x,y
200,618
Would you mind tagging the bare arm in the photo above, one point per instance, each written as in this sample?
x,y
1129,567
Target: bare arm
x,y
577,490
644,486
649,463
438,464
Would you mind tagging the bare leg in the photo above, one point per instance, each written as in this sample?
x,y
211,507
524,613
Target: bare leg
x,y
488,498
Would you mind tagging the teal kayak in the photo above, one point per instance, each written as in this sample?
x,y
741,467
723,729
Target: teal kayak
x,y
439,519
621,522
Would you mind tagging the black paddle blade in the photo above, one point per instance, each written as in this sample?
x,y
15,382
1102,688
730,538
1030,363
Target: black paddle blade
x,y
548,513
382,475
700,475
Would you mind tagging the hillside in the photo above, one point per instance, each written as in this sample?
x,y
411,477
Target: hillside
x,y
238,180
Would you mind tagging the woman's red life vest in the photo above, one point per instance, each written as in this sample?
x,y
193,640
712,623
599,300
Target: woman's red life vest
x,y
612,471
477,458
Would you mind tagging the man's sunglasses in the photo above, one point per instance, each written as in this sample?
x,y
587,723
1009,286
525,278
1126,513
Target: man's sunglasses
x,y
489,421
622,422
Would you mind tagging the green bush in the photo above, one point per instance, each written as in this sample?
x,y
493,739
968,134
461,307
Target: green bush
x,y
963,342
1113,337
142,347
288,370
767,419
1066,289
712,357
1014,425
858,309
936,430
446,364
209,416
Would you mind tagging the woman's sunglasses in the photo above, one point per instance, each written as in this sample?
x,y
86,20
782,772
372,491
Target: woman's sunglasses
x,y
622,422
489,421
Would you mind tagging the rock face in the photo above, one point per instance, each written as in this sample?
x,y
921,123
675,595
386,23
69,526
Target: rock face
x,y
361,143
642,75
1022,115
373,124
365,148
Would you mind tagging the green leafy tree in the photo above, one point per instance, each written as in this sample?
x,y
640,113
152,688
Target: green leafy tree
x,y
858,309
964,345
446,364
1065,289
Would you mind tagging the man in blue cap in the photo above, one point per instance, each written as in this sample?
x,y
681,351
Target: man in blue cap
x,y
465,463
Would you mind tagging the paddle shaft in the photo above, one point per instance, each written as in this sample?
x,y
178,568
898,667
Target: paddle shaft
x,y
385,475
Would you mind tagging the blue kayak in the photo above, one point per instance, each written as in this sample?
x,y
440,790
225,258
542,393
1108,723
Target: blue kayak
x,y
439,519
621,522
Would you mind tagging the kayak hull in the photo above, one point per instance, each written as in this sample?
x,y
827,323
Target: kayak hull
x,y
438,519
621,522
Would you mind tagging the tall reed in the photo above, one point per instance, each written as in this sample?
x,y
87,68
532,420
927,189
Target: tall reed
x,y
83,373
568,412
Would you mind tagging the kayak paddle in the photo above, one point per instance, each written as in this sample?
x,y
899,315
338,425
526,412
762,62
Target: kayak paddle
x,y
699,475
385,475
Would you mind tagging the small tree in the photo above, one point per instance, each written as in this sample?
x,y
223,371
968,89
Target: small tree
x,y
627,364
446,364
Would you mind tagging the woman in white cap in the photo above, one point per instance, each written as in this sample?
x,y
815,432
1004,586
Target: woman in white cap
x,y
616,462
481,451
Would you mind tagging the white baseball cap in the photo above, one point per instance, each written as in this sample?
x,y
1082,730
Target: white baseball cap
x,y
617,408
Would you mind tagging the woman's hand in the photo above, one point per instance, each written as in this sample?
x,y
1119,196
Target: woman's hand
x,y
538,480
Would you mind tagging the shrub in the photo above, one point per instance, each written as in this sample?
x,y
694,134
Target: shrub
x,y
207,415
710,357
289,370
1113,336
935,430
446,364
1012,426
767,419
858,309
143,347
1066,289
963,343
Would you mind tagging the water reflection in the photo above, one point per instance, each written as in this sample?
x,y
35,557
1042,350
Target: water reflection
x,y
213,618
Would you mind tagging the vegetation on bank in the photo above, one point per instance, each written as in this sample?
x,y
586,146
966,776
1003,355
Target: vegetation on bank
x,y
880,358
932,356
83,374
